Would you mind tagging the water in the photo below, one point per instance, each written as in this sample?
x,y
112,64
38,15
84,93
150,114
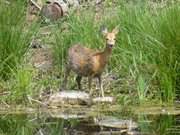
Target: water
x,y
81,122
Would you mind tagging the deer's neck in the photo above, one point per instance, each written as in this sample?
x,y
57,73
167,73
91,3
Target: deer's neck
x,y
105,55
102,58
107,52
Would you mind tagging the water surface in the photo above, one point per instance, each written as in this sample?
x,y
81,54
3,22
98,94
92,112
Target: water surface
x,y
150,121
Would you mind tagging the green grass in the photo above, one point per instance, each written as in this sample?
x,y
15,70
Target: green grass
x,y
147,49
21,85
15,36
152,42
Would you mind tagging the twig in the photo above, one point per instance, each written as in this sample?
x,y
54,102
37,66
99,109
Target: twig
x,y
5,104
35,4
4,93
112,132
37,101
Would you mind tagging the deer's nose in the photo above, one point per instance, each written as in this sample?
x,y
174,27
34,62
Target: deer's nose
x,y
110,45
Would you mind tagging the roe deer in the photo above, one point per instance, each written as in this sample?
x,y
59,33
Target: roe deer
x,y
86,62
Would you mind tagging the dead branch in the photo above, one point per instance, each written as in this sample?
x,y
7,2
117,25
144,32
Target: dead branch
x,y
35,4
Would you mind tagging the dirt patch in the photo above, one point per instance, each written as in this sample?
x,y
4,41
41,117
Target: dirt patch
x,y
41,56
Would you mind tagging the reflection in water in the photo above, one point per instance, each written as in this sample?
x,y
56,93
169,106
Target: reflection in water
x,y
159,124
40,124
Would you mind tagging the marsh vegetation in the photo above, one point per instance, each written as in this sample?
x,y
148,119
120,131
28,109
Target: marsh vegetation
x,y
144,68
145,61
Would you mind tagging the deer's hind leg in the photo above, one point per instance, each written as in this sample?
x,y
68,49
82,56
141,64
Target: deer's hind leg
x,y
78,80
89,84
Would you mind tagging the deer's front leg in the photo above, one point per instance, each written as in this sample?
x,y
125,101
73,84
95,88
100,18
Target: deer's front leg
x,y
100,85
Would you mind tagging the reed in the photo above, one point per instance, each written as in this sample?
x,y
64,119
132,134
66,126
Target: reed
x,y
15,36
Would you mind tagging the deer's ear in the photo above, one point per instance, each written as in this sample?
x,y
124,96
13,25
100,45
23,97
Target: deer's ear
x,y
104,30
115,30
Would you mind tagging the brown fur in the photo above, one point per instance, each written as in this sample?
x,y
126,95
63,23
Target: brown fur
x,y
88,62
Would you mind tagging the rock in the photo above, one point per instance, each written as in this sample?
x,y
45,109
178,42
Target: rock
x,y
69,98
36,44
103,100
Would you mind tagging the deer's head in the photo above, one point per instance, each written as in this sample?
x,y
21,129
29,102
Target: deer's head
x,y
110,36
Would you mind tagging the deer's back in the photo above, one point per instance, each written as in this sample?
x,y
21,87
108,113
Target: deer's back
x,y
80,59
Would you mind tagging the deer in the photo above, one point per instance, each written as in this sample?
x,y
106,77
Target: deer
x,y
87,62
